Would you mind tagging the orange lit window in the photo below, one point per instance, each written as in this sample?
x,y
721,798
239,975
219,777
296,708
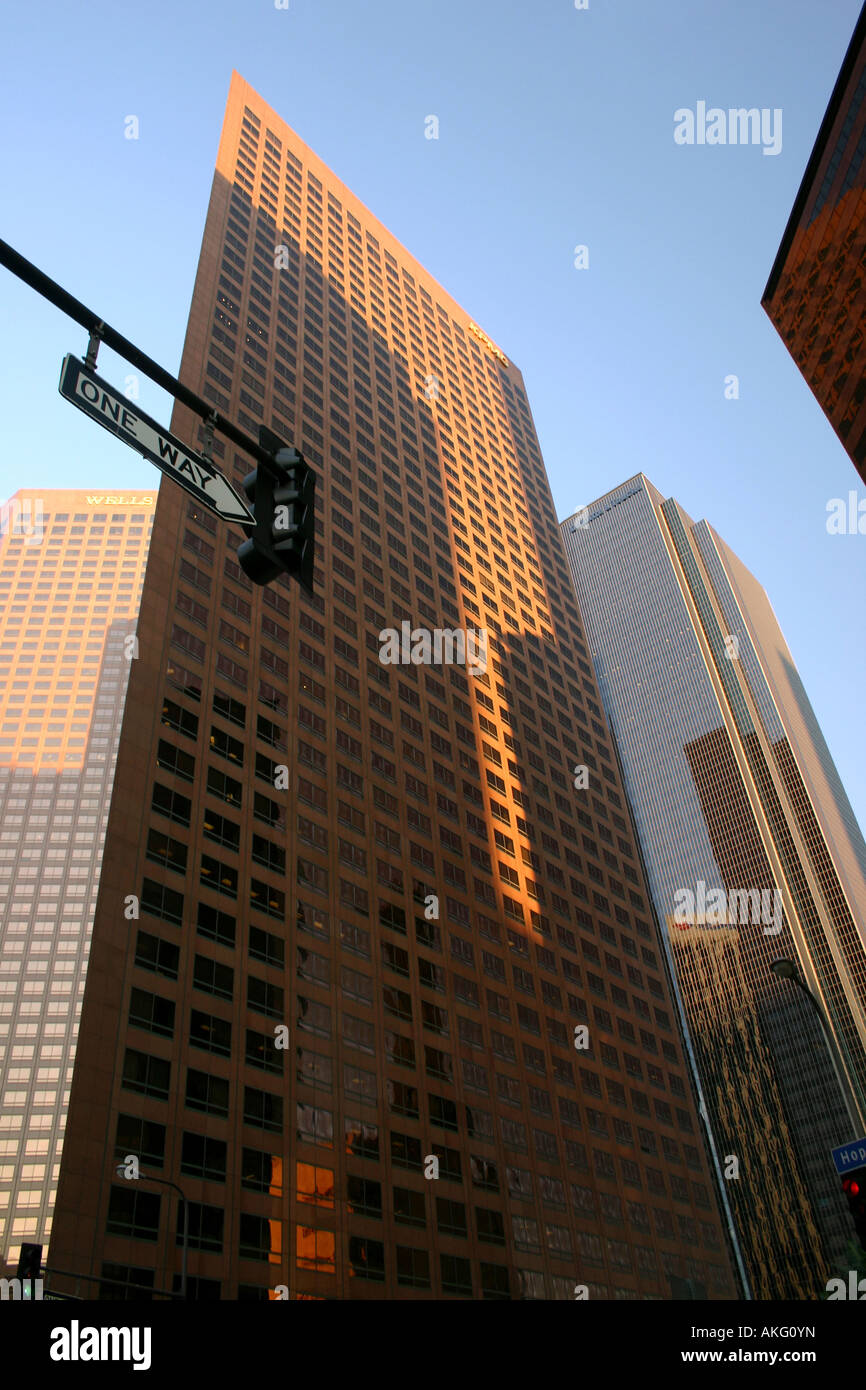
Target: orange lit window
x,y
315,1185
315,1249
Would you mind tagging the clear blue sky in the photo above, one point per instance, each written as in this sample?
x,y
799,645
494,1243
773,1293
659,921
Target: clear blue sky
x,y
556,128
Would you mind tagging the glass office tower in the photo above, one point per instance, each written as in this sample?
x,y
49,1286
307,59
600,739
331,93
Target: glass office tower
x,y
734,793
390,861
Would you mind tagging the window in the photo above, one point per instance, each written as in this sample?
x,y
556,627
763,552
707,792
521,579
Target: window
x,y
261,1172
397,1002
221,877
456,1274
205,1226
144,1138
315,1125
402,1098
265,998
405,1150
265,947
413,1267
409,1207
366,1258
260,1051
315,1185
159,901
171,804
315,1249
213,977
489,1225
313,1017
134,1213
226,746
263,1109
361,1138
210,1033
151,1012
260,1238
219,784
203,1157
218,926
494,1281
364,1196
149,1076
162,849
152,953
209,1094
174,717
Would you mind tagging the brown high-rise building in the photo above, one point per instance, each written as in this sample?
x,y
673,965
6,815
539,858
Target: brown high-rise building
x,y
391,867
71,573
816,293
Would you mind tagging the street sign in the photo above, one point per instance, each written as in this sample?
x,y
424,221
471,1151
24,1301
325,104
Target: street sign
x,y
102,403
850,1155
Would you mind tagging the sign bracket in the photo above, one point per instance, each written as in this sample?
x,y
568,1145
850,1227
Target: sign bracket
x,y
93,342
207,441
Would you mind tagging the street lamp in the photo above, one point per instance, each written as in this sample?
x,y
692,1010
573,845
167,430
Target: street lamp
x,y
164,1182
786,969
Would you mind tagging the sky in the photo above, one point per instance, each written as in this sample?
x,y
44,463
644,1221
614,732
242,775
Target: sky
x,y
555,130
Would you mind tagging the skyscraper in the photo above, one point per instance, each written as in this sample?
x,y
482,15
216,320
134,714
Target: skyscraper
x,y
71,571
815,295
384,863
752,854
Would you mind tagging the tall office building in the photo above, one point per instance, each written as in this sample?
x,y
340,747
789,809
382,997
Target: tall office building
x,y
815,295
71,570
386,866
752,854
388,859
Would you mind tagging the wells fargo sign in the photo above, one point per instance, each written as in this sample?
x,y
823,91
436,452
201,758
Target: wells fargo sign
x,y
488,343
113,500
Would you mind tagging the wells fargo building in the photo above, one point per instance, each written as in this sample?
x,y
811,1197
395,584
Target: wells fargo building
x,y
430,906
71,572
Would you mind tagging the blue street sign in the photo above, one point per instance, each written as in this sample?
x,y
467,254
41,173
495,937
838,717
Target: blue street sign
x,y
850,1155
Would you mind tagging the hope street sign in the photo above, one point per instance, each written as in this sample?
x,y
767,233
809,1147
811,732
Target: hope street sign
x,y
850,1155
101,402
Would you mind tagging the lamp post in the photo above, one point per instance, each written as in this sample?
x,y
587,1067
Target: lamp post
x,y
164,1182
786,969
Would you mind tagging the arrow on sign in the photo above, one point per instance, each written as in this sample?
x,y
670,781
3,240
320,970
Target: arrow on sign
x,y
101,402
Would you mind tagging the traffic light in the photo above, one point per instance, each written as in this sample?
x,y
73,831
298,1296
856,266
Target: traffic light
x,y
29,1262
282,493
854,1187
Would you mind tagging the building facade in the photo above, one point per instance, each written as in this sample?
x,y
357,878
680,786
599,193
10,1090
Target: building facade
x,y
71,572
355,909
816,293
752,853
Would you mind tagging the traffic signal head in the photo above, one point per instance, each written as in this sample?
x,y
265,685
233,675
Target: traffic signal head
x,y
29,1262
854,1187
282,493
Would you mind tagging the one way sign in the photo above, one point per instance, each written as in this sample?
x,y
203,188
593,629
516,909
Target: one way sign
x,y
101,402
